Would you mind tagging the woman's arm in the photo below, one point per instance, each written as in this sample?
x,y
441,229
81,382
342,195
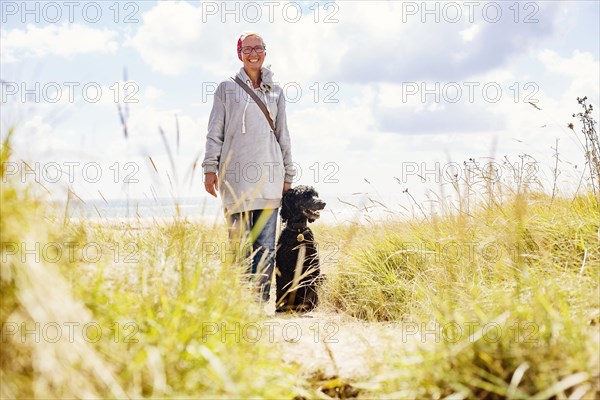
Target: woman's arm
x,y
214,142
283,137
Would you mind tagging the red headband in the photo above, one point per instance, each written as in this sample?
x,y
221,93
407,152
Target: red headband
x,y
239,47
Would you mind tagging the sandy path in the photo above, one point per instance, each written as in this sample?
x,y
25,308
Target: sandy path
x,y
333,343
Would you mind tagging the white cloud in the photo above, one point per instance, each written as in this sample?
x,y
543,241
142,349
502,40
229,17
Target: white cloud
x,y
170,37
176,37
40,139
358,41
468,34
58,40
581,67
152,93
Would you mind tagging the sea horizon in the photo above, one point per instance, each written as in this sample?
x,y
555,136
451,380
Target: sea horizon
x,y
191,208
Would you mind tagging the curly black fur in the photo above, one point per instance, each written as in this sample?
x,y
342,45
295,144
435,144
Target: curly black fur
x,y
297,287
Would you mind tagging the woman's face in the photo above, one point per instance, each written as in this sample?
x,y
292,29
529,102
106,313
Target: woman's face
x,y
254,60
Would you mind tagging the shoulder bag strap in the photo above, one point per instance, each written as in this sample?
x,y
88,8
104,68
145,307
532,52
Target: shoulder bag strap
x,y
258,101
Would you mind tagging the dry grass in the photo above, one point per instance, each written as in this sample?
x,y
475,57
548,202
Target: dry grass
x,y
134,322
495,296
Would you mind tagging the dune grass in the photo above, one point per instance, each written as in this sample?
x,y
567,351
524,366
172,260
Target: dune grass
x,y
501,307
501,301
495,295
122,312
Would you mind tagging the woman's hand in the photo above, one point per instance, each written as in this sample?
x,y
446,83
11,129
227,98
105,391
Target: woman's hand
x,y
286,186
211,183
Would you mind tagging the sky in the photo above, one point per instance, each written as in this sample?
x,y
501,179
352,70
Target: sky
x,y
383,97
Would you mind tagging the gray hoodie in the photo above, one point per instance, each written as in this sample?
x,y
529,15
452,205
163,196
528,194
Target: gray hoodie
x,y
251,161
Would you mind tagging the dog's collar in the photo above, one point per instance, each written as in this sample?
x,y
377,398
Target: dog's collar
x,y
296,226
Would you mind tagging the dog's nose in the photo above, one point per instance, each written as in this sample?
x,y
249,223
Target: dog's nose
x,y
320,204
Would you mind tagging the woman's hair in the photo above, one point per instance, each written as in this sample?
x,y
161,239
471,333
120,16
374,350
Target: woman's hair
x,y
244,36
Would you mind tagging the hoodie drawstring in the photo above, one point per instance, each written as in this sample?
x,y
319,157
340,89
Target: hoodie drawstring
x,y
244,114
246,107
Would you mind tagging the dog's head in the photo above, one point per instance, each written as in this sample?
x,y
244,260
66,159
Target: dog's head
x,y
301,203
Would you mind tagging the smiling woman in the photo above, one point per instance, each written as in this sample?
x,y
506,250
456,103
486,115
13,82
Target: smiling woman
x,y
251,51
248,156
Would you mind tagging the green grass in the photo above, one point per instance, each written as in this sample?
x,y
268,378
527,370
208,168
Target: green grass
x,y
515,269
157,295
510,298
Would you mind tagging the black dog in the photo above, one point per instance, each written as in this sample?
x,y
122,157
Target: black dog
x,y
298,272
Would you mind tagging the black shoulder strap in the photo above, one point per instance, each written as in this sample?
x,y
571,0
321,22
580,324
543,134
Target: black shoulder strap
x,y
258,101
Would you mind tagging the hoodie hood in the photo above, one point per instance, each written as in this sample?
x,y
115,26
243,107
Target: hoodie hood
x,y
266,74
266,83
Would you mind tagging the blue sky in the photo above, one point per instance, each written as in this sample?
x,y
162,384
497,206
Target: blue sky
x,y
354,73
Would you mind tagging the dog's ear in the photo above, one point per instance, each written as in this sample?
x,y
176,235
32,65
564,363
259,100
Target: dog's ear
x,y
285,209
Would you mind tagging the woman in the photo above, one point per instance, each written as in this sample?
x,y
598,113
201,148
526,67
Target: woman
x,y
248,162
